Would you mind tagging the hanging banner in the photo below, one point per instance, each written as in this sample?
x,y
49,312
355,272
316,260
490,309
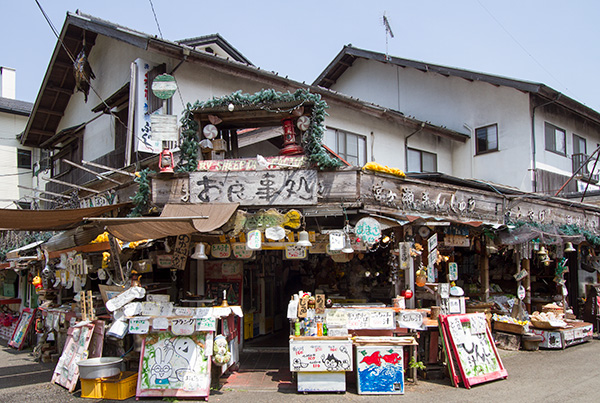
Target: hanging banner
x,y
143,139
181,251
368,230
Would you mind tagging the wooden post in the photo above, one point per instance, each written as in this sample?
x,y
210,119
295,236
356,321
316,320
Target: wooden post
x,y
525,265
484,268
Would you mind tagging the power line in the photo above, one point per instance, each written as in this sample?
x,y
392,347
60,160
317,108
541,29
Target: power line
x,y
155,19
523,47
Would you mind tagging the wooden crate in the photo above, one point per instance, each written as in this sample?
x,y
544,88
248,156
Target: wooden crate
x,y
508,327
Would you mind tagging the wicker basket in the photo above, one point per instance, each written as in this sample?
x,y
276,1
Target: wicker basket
x,y
542,325
559,310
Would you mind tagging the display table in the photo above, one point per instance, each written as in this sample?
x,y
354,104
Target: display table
x,y
561,338
380,364
321,362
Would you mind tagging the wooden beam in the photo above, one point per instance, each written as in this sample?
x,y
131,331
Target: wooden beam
x,y
73,185
50,112
41,132
98,174
62,90
45,191
109,169
123,220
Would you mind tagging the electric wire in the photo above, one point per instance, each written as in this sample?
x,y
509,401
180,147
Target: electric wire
x,y
156,19
523,48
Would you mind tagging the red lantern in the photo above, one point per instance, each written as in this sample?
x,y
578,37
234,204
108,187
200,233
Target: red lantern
x,y
289,139
407,294
165,162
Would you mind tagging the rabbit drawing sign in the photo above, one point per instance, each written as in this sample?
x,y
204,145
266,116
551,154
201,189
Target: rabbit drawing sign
x,y
174,365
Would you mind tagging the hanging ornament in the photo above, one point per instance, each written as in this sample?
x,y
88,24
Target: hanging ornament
x,y
303,123
215,120
210,131
206,145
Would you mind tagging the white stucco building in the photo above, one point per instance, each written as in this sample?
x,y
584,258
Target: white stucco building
x,y
522,134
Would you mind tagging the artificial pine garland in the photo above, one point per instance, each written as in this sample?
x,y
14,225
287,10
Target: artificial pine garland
x,y
311,140
141,199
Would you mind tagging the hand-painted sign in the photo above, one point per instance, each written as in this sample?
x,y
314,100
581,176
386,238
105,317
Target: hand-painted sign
x,y
472,349
368,230
380,369
181,251
174,366
257,188
320,355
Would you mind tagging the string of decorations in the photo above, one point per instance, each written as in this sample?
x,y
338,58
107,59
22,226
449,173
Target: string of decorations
x,y
565,230
311,140
141,199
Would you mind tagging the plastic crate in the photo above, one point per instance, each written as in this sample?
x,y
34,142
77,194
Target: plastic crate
x,y
91,388
119,387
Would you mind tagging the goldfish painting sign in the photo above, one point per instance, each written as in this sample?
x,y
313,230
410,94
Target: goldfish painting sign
x,y
380,369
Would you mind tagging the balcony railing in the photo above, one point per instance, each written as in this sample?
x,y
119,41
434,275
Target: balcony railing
x,y
585,174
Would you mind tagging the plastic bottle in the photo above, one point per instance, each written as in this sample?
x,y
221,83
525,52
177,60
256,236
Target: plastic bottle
x,y
319,327
296,328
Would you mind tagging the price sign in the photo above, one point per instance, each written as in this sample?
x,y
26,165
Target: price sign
x,y
139,325
336,241
183,327
240,251
452,271
295,252
220,250
160,324
206,324
150,308
430,274
254,240
521,292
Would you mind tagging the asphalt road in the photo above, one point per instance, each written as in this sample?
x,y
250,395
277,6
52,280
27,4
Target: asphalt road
x,y
571,375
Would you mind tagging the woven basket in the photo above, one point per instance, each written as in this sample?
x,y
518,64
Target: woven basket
x,y
542,325
559,310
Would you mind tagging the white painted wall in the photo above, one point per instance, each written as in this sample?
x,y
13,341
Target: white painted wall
x,y
11,176
459,105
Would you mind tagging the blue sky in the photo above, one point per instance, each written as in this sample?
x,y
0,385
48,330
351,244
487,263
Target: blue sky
x,y
548,41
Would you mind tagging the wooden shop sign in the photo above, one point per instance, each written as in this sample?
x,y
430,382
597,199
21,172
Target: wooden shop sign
x,y
255,188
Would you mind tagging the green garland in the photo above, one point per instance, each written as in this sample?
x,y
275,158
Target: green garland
x,y
591,237
311,140
141,199
565,229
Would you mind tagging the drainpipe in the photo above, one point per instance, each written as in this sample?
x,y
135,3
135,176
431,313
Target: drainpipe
x,y
406,145
533,148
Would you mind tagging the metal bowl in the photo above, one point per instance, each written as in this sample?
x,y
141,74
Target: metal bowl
x,y
102,367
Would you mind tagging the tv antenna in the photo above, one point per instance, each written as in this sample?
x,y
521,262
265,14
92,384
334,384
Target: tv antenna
x,y
388,33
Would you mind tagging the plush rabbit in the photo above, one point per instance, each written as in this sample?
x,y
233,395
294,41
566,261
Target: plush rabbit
x,y
162,368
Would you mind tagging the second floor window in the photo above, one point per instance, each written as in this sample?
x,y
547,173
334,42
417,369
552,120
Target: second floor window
x,y
23,159
421,161
351,147
555,139
487,139
579,145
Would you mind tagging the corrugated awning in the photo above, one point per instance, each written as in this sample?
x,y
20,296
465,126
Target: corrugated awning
x,y
49,220
214,216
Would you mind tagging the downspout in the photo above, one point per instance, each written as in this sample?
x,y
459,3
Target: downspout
x,y
533,148
406,145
